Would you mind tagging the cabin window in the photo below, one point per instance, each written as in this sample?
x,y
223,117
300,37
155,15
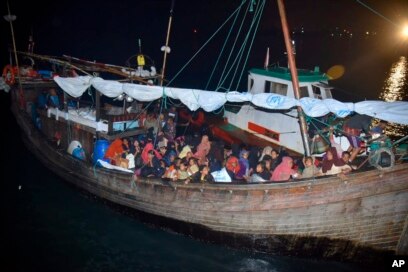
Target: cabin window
x,y
268,86
279,88
316,92
303,92
328,93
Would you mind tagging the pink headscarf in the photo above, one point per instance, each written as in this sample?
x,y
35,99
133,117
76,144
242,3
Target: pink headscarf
x,y
202,149
284,170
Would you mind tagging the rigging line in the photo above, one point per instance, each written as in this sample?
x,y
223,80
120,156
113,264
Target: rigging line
x,y
204,45
232,50
376,12
222,51
239,54
252,42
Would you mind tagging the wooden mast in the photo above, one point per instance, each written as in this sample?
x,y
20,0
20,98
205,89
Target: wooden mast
x,y
166,48
294,75
10,18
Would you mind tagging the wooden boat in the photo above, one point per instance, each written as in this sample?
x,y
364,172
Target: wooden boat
x,y
361,217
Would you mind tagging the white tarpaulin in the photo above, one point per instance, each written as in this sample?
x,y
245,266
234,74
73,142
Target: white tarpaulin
x,y
395,112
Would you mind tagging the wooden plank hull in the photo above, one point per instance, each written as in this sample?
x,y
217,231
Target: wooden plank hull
x,y
362,217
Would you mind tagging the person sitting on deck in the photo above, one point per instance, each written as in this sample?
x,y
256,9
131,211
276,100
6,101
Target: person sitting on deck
x,y
310,170
203,149
182,173
151,122
332,165
377,132
136,150
243,165
116,154
334,144
173,114
169,129
171,171
276,159
202,176
126,147
192,166
148,147
260,175
284,170
253,158
152,168
232,166
114,151
266,152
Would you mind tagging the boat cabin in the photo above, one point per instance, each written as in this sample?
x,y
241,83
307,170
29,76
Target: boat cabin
x,y
279,80
280,127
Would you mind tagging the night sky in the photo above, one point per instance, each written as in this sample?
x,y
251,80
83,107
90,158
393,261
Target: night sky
x,y
108,31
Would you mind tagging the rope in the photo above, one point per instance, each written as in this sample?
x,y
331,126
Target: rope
x,y
231,51
252,42
222,50
376,12
204,45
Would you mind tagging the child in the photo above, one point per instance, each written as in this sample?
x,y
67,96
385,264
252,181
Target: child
x,y
310,168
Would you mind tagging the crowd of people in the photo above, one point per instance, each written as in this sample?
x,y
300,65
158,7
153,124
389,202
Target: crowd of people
x,y
161,153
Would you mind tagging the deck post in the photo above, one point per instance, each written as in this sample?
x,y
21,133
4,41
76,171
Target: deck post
x,y
294,75
97,105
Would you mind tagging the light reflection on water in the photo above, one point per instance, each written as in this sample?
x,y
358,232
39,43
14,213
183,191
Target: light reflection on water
x,y
395,89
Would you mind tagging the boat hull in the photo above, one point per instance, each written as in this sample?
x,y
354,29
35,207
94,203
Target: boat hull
x,y
362,217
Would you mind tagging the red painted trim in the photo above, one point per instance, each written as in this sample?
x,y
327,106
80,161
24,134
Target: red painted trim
x,y
264,131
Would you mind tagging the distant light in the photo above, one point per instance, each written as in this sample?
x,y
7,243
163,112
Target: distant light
x,y
367,33
195,30
405,31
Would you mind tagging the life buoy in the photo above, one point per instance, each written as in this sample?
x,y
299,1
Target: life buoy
x,y
9,75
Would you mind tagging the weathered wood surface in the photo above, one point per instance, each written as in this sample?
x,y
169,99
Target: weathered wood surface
x,y
330,216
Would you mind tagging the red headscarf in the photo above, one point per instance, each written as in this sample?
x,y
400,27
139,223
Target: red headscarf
x,y
146,149
114,148
229,165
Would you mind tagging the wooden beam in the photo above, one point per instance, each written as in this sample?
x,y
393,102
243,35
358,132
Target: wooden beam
x,y
98,106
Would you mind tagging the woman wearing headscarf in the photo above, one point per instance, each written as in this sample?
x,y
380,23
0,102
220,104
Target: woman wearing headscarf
x,y
202,150
284,170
